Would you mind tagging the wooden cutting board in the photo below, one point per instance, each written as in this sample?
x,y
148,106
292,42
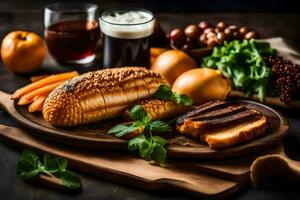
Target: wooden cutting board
x,y
208,179
95,135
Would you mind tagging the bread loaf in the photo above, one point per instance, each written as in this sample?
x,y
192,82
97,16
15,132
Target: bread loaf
x,y
159,109
99,95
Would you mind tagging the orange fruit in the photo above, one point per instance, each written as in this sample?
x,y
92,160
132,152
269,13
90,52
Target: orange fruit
x,y
23,52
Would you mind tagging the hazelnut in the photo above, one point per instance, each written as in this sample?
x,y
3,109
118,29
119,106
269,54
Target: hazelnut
x,y
208,30
243,30
211,42
204,25
192,31
250,35
221,25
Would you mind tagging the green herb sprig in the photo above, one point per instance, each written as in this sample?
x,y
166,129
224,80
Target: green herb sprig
x,y
151,147
30,166
164,92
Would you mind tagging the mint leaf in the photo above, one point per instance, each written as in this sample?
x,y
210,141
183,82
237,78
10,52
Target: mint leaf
x,y
159,126
137,112
54,164
30,166
70,179
182,99
26,170
159,140
136,143
62,163
146,150
164,92
120,130
31,157
159,154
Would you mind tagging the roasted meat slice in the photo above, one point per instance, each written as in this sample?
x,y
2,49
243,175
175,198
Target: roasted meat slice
x,y
222,124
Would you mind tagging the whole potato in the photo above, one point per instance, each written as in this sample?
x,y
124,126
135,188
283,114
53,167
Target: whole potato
x,y
202,85
172,64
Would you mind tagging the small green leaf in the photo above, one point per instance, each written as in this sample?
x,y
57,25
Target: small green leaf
x,y
164,92
70,179
29,165
26,170
138,124
137,112
159,140
146,149
159,126
135,143
159,154
62,163
54,164
120,130
183,99
46,158
31,157
51,166
146,119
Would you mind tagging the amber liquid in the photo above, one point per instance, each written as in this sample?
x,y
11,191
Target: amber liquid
x,y
72,40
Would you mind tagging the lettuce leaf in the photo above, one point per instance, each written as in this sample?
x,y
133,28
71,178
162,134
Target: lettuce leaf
x,y
243,63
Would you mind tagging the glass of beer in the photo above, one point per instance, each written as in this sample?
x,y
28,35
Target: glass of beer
x,y
72,32
126,35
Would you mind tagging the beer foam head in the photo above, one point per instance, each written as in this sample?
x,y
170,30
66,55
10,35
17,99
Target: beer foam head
x,y
127,24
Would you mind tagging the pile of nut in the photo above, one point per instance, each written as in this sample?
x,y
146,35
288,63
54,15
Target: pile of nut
x,y
207,35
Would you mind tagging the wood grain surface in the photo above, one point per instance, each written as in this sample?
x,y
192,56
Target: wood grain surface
x,y
208,179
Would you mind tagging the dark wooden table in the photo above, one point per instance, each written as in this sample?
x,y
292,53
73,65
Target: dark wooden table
x,y
269,25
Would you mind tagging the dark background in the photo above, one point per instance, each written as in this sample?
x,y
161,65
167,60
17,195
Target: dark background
x,y
270,18
171,5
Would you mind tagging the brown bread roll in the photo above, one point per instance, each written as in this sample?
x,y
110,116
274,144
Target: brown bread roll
x,y
99,95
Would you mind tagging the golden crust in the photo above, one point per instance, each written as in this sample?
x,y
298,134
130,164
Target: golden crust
x,y
159,109
99,95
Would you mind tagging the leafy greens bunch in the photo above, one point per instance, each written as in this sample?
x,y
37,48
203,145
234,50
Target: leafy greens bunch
x,y
243,63
30,166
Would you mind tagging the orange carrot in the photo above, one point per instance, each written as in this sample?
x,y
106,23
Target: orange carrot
x,y
37,78
28,98
37,104
44,82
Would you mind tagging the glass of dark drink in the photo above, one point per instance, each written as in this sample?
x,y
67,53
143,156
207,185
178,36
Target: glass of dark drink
x,y
72,32
126,35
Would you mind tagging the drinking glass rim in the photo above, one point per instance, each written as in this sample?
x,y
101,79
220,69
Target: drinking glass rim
x,y
128,9
77,7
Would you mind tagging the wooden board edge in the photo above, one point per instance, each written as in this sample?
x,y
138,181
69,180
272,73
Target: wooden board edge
x,y
272,101
119,176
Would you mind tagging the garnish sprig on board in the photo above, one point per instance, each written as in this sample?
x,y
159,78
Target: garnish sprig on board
x,y
151,147
30,166
164,92
243,63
